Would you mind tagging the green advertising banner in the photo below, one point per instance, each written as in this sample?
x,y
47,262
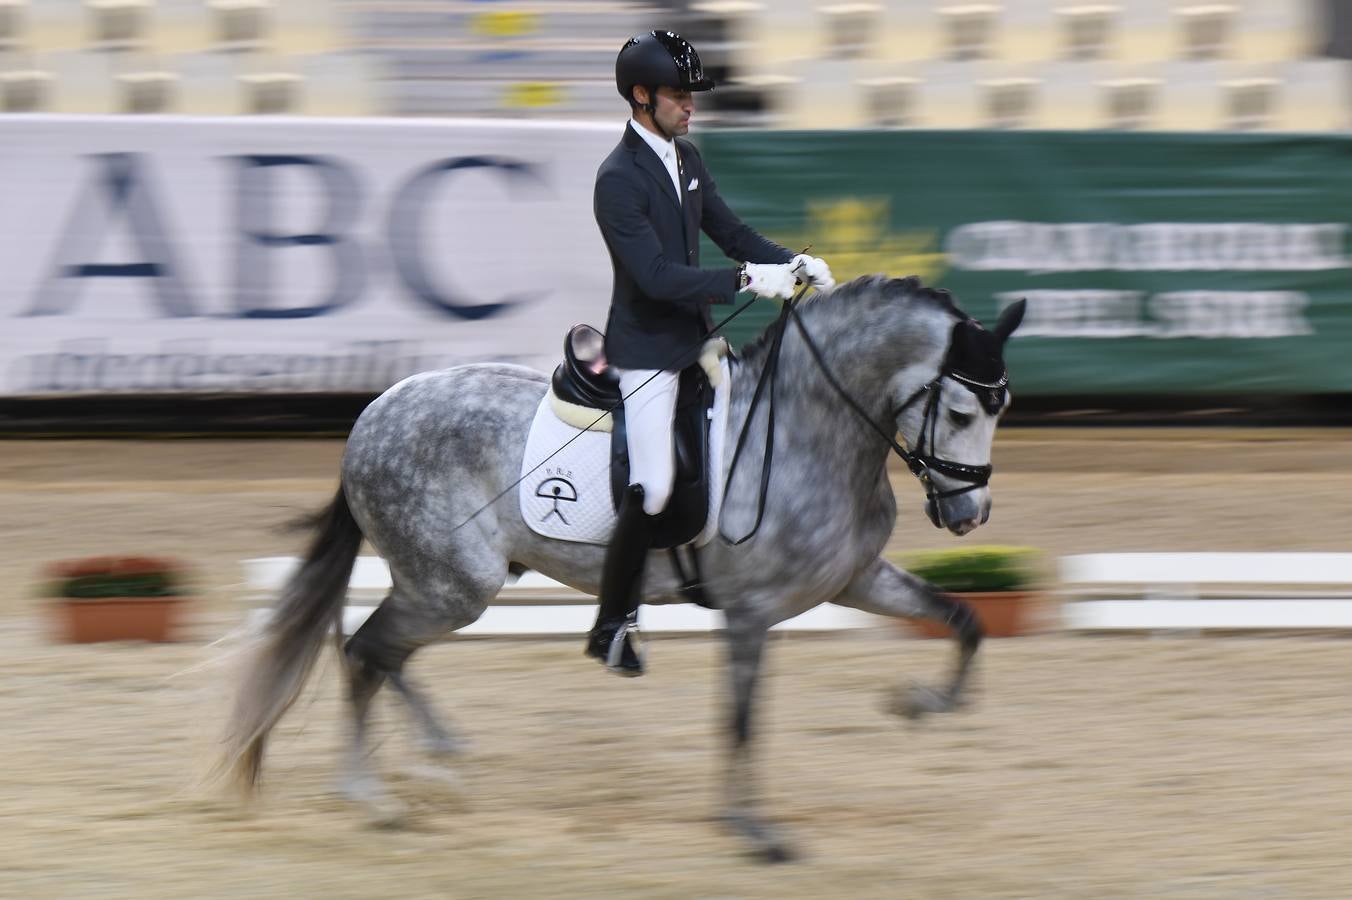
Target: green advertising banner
x,y
1153,264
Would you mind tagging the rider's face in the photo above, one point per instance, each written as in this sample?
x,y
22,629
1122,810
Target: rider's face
x,y
674,109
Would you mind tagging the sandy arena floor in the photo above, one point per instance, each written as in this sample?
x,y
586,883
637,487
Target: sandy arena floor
x,y
1086,768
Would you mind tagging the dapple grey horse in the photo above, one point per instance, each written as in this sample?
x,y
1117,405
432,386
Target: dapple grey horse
x,y
426,460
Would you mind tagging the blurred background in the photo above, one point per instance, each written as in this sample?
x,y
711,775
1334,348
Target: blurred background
x,y
318,197
1137,64
226,225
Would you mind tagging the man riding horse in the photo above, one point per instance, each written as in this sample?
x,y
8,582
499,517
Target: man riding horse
x,y
653,197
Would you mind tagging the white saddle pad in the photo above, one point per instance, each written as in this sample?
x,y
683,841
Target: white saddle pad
x,y
565,494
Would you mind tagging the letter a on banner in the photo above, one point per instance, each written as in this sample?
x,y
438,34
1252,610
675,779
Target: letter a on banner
x,y
119,196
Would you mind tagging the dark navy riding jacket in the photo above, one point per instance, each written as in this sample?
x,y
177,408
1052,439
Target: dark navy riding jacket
x,y
659,304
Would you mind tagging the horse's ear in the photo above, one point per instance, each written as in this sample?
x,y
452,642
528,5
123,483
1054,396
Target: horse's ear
x,y
1010,319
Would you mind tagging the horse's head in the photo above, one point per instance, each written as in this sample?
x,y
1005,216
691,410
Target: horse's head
x,y
948,421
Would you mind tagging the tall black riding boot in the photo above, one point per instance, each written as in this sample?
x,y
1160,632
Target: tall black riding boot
x,y
610,639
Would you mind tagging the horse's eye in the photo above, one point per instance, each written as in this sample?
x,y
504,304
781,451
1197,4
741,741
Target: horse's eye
x,y
959,419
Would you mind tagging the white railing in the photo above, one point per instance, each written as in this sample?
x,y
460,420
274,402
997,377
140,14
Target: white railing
x,y
529,604
1206,591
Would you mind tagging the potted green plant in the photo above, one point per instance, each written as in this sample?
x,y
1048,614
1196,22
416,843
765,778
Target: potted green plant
x,y
116,598
1001,583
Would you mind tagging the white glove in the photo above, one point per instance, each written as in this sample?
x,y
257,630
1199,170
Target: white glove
x,y
813,271
770,280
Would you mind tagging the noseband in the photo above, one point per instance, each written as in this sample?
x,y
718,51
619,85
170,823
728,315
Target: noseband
x,y
922,463
919,461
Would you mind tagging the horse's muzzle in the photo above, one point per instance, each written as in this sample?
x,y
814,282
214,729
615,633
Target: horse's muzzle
x,y
957,524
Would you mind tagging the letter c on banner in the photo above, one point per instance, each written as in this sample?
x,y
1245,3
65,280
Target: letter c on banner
x,y
405,233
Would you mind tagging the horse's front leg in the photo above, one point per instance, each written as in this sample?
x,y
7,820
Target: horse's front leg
x,y
884,589
746,636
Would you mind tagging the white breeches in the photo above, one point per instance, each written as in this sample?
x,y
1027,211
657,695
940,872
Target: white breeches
x,y
649,412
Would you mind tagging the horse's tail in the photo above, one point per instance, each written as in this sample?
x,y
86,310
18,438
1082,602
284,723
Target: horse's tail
x,y
310,604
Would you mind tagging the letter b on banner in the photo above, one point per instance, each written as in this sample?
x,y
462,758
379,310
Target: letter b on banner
x,y
259,237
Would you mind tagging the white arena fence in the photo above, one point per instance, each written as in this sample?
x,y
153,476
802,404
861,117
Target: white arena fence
x,y
528,605
1099,592
1206,591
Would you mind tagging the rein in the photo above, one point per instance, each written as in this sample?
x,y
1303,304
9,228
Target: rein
x,y
918,462
767,376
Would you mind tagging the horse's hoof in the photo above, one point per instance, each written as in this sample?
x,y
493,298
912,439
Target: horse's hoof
x,y
766,844
386,814
915,703
442,745
388,819
439,774
382,810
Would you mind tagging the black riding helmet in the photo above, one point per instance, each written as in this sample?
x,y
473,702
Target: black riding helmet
x,y
659,59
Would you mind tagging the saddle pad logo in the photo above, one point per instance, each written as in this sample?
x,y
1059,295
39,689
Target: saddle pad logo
x,y
557,488
565,493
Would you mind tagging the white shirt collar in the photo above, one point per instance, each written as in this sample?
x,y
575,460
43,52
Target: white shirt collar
x,y
665,150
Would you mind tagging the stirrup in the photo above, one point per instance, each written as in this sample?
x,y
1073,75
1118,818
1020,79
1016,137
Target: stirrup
x,y
616,651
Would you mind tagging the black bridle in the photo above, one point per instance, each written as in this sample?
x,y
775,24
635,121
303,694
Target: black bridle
x,y
920,461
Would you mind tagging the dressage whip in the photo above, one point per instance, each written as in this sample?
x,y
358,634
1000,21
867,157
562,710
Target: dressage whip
x,y
710,333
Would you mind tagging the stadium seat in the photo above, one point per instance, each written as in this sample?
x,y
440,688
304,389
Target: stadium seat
x,y
13,24
1009,102
891,101
148,91
1250,103
850,28
970,30
1206,31
1087,31
1128,104
239,25
25,90
271,93
119,24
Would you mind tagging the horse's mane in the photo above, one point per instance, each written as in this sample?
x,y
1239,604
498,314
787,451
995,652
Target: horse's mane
x,y
875,288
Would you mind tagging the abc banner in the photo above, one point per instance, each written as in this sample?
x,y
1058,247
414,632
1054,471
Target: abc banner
x,y
170,255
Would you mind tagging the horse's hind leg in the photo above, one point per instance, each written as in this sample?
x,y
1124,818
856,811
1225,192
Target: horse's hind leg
x,y
357,781
378,652
884,589
437,739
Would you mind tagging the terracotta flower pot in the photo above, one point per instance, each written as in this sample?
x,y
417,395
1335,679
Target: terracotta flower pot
x,y
117,619
1001,613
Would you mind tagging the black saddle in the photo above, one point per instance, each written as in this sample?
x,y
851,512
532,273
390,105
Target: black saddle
x,y
585,378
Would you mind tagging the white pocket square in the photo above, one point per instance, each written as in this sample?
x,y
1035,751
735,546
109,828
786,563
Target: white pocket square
x,y
693,185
